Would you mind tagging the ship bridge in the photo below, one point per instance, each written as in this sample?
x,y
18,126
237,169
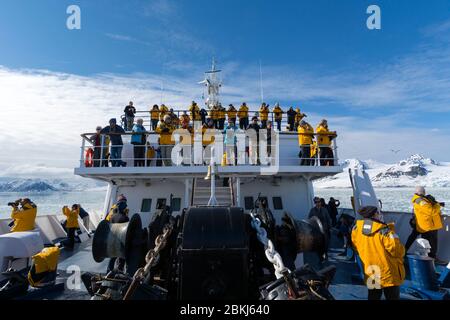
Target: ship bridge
x,y
279,177
281,159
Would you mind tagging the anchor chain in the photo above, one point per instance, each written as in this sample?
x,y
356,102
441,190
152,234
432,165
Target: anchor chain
x,y
151,259
271,254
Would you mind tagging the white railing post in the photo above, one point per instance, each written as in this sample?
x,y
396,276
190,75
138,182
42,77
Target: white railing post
x,y
145,150
102,142
318,155
83,144
238,192
335,153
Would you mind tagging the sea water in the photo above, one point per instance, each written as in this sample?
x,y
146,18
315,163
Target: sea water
x,y
393,199
52,202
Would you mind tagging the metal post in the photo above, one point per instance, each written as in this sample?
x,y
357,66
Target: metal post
x,y
83,145
102,142
238,191
318,155
212,200
186,193
335,153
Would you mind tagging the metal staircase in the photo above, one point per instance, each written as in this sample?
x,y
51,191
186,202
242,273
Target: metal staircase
x,y
201,192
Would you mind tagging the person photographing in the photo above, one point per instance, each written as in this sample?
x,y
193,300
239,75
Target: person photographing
x,y
71,224
426,221
23,214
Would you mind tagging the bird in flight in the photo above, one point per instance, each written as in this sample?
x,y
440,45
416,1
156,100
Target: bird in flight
x,y
395,151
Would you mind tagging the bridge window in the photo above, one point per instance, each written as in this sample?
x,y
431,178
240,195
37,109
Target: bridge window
x,y
146,205
161,203
176,204
277,203
249,203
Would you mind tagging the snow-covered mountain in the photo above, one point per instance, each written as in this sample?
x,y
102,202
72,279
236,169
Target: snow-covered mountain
x,y
46,185
413,171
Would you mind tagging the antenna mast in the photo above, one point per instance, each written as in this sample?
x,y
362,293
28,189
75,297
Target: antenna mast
x,y
212,83
261,82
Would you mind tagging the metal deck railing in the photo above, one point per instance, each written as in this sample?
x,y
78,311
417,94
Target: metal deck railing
x,y
285,153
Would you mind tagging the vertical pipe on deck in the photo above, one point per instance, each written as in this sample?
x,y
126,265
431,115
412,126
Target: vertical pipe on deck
x,y
83,145
186,193
238,191
335,153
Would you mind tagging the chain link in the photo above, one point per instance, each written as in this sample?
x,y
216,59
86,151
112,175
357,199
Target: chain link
x,y
271,254
151,259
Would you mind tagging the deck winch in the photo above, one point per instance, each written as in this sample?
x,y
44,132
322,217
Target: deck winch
x,y
210,252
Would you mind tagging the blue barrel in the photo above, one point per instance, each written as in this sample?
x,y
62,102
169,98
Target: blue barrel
x,y
423,273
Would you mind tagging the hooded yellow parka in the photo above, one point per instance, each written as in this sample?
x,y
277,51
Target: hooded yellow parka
x,y
278,113
243,112
24,219
428,214
264,113
324,136
305,134
72,217
165,138
378,245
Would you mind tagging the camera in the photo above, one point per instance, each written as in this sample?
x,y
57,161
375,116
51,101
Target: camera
x,y
14,204
442,204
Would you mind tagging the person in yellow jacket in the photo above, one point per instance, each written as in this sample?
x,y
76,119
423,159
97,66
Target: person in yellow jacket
x,y
154,116
232,113
208,137
298,117
23,214
381,254
71,224
324,137
426,222
243,116
264,115
278,115
44,266
166,143
195,112
163,110
305,140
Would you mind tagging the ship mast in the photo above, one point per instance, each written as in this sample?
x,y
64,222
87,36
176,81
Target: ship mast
x,y
212,83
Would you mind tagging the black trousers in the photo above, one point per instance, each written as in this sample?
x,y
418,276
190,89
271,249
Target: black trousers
x,y
263,124
431,236
154,124
291,125
326,156
305,155
97,155
390,293
71,237
139,155
243,123
278,124
221,124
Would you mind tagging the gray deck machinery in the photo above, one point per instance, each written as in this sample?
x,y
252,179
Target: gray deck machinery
x,y
209,253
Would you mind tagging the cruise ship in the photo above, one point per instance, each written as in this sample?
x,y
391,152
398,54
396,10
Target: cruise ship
x,y
206,229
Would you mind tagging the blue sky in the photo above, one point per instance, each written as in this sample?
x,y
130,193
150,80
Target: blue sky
x,y
383,89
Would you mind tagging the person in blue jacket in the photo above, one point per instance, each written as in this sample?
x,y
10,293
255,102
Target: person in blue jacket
x,y
138,139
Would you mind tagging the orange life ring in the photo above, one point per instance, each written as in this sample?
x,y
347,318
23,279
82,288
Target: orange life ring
x,y
89,158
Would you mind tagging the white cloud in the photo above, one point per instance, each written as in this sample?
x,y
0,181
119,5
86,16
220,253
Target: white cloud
x,y
45,112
